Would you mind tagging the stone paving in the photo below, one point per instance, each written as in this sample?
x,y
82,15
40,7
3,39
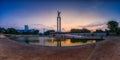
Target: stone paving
x,y
108,49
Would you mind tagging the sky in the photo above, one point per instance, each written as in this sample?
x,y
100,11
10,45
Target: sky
x,y
42,14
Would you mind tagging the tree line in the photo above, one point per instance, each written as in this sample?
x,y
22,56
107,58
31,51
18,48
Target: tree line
x,y
15,31
113,27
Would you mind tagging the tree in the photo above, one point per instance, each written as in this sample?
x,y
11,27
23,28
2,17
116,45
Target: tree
x,y
99,31
80,30
75,30
36,32
84,30
112,25
27,32
118,31
2,30
12,31
48,32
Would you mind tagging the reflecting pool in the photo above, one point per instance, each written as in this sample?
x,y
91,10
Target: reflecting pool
x,y
50,41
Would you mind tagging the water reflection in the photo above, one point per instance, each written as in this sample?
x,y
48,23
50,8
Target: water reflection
x,y
26,40
49,41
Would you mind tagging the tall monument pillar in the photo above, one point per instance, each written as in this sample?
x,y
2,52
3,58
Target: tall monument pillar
x,y
58,22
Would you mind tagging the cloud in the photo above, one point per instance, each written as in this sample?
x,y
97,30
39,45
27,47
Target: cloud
x,y
95,25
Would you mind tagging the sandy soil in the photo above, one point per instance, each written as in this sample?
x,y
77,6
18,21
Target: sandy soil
x,y
108,49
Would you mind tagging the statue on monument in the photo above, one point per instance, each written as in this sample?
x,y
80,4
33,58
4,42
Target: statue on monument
x,y
58,22
59,13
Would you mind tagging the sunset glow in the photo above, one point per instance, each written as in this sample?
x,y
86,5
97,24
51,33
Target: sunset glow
x,y
43,14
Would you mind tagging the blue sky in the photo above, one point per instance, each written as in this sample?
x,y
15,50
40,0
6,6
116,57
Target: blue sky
x,y
42,14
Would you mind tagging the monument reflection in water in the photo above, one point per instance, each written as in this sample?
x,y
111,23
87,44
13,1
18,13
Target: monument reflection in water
x,y
50,41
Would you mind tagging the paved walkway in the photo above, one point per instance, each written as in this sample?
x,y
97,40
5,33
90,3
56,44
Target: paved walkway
x,y
104,50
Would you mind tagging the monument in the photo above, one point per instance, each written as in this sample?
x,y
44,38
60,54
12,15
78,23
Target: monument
x,y
59,22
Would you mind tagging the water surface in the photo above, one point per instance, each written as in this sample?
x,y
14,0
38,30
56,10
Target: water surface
x,y
50,41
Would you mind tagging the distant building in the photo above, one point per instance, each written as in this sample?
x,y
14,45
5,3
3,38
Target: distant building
x,y
26,28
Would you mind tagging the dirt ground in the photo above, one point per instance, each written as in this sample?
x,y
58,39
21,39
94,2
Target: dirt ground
x,y
108,49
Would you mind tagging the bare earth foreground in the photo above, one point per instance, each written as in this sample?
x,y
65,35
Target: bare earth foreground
x,y
108,49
